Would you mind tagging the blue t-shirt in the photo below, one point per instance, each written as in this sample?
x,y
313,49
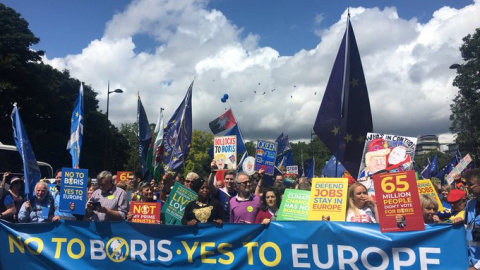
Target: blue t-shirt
x,y
8,200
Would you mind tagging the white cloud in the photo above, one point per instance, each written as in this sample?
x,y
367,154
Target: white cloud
x,y
405,64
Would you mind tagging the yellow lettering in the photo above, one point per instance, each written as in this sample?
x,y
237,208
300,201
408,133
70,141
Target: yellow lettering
x,y
59,242
190,251
69,248
278,254
204,252
39,245
227,253
249,246
19,244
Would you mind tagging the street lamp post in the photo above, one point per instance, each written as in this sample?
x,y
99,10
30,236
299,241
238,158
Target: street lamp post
x,y
108,95
107,134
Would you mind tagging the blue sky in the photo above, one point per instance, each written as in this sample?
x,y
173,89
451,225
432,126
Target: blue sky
x,y
66,27
245,47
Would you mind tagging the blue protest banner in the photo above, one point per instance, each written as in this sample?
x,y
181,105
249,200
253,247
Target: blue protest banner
x,y
265,156
73,189
280,245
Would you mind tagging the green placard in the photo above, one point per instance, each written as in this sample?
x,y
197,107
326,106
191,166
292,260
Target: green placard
x,y
174,207
294,205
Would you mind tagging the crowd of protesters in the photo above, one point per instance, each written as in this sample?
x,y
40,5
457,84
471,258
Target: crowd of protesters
x,y
231,197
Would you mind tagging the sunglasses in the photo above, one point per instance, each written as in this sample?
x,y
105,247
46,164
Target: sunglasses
x,y
188,181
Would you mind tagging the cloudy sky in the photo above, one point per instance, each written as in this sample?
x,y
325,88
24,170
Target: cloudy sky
x,y
272,57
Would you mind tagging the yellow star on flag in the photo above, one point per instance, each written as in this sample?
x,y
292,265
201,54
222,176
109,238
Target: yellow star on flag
x,y
348,137
354,82
335,130
361,139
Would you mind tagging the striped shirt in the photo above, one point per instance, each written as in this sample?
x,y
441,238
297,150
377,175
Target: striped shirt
x,y
115,199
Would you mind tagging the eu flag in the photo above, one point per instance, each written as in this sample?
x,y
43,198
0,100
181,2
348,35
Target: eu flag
x,y
284,152
144,136
76,130
309,166
344,117
433,166
30,166
178,134
330,171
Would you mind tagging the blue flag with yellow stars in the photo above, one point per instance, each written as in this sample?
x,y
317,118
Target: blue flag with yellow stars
x,y
76,130
344,117
284,152
178,134
30,166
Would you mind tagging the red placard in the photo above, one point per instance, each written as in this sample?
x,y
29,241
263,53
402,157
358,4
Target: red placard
x,y
122,176
144,212
398,202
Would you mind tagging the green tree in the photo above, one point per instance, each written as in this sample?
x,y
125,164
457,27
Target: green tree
x,y
251,147
129,132
198,159
45,98
465,109
303,151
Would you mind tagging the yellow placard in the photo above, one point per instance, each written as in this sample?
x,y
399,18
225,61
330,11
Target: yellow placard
x,y
328,197
425,186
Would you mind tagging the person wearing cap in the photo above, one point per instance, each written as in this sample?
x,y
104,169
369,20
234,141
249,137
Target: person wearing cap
x,y
472,219
7,205
375,161
16,191
457,199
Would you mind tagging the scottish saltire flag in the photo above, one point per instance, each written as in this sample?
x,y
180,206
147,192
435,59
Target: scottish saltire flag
x,y
154,156
223,122
309,168
344,117
178,134
30,167
426,171
330,171
284,152
76,130
144,136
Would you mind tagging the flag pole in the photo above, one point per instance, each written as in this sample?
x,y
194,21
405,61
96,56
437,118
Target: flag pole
x,y
342,96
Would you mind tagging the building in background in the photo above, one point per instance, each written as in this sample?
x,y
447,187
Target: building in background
x,y
426,144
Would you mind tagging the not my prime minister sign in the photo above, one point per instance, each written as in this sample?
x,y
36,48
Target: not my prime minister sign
x,y
73,189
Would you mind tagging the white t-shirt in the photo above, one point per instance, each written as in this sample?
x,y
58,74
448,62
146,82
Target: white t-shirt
x,y
366,216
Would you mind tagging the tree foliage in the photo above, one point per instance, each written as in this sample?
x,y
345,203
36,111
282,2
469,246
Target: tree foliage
x,y
46,98
465,109
198,159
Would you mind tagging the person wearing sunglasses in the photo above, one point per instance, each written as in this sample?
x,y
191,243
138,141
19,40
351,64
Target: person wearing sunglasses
x,y
472,218
191,176
245,206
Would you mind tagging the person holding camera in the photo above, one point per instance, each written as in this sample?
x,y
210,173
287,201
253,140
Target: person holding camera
x,y
108,203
